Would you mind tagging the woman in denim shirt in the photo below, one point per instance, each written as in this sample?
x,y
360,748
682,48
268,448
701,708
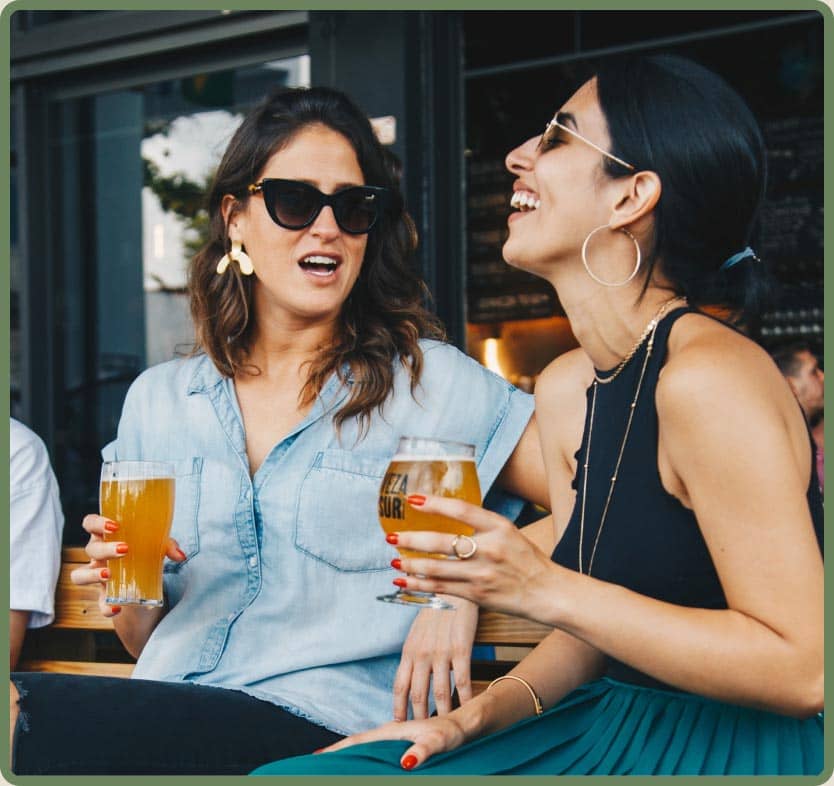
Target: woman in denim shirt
x,y
316,355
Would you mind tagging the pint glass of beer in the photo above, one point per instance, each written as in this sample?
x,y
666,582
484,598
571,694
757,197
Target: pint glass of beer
x,y
139,496
426,466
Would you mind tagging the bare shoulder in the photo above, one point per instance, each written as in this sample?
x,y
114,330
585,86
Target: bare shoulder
x,y
569,375
709,363
560,413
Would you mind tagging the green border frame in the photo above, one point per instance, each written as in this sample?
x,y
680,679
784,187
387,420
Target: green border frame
x,y
8,8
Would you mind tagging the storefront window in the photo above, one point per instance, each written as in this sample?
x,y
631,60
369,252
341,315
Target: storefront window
x,y
130,171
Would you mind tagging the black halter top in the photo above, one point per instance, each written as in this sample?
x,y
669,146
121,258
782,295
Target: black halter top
x,y
649,543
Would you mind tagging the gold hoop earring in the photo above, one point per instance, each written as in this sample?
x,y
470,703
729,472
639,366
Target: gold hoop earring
x,y
237,254
588,267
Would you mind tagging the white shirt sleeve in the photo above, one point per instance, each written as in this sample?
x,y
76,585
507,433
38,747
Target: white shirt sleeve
x,y
35,526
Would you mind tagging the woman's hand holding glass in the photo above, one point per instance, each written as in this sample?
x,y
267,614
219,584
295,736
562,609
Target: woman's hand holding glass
x,y
505,573
425,466
100,550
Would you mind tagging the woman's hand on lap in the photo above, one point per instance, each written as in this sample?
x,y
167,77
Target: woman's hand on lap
x,y
430,736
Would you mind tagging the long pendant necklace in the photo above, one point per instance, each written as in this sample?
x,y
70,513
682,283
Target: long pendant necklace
x,y
649,331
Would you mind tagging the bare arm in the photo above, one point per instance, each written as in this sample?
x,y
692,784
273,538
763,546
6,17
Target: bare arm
x,y
560,408
731,440
556,666
542,466
18,620
524,474
134,625
542,533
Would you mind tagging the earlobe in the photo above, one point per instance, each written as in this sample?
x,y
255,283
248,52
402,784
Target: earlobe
x,y
637,200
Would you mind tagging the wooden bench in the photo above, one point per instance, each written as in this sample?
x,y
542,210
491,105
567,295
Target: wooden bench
x,y
82,641
511,637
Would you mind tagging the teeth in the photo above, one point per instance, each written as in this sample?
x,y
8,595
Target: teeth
x,y
319,260
524,201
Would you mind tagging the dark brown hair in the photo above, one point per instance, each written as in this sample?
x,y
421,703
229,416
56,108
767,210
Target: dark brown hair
x,y
684,122
384,316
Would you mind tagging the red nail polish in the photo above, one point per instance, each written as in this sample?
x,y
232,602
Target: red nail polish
x,y
392,538
399,582
396,563
182,555
416,500
121,548
409,762
115,609
105,574
110,526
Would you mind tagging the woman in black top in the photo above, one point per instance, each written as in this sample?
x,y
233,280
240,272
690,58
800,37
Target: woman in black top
x,y
686,588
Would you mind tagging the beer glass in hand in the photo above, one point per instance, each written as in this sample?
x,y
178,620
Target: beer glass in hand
x,y
426,466
139,496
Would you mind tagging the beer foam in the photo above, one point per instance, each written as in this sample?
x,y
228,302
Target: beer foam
x,y
413,459
135,478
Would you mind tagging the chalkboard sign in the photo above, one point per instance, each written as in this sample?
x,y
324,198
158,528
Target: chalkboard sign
x,y
497,292
790,232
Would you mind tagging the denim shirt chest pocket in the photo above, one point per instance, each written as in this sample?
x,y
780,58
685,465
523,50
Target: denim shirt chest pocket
x,y
336,515
184,528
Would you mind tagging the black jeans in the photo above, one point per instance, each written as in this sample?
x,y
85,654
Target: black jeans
x,y
74,725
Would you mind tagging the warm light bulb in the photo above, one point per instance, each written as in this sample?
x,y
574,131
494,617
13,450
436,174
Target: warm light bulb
x,y
491,356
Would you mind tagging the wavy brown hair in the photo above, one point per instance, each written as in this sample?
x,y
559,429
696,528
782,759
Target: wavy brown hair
x,y
384,316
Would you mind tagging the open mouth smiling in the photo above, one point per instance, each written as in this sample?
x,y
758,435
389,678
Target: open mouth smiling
x,y
524,201
319,265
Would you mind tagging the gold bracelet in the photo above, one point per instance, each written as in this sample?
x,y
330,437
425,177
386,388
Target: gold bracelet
x,y
536,700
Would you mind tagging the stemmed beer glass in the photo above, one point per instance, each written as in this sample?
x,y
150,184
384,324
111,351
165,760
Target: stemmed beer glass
x,y
426,466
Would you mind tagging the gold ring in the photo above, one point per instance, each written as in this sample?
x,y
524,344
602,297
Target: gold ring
x,y
473,547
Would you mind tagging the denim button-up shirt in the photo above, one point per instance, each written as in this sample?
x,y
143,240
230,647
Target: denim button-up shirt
x,y
277,596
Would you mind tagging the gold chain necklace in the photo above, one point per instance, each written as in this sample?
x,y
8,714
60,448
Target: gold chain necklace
x,y
650,331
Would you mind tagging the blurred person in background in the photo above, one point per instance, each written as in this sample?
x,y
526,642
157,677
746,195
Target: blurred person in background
x,y
36,523
801,368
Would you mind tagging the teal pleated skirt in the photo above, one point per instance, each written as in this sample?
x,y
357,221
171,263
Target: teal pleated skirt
x,y
606,728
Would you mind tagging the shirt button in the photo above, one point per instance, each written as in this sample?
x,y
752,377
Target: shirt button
x,y
253,561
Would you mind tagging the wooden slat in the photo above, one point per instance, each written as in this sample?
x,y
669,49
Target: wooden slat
x,y
496,629
78,667
76,607
74,554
